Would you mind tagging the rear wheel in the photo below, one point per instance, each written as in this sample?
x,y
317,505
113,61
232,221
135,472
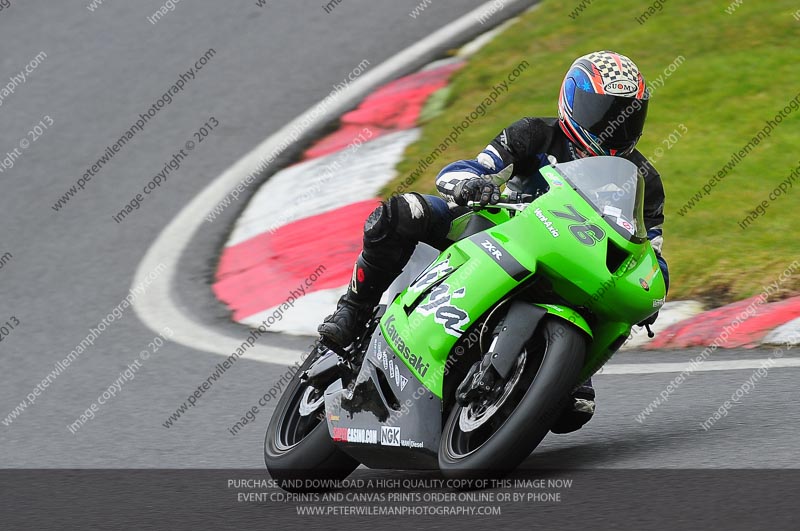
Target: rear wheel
x,y
297,446
491,439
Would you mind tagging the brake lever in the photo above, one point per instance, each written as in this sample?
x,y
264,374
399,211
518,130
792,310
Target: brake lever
x,y
476,205
512,200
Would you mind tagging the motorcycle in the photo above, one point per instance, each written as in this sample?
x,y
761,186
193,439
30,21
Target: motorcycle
x,y
469,367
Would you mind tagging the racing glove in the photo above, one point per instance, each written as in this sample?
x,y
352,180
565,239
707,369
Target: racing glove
x,y
476,189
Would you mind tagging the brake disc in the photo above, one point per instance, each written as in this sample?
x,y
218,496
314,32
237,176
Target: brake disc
x,y
474,416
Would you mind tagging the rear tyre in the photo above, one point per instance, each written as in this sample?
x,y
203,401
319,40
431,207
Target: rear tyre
x,y
298,448
476,446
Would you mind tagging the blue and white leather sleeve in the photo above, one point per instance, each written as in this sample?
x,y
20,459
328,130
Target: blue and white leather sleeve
x,y
488,162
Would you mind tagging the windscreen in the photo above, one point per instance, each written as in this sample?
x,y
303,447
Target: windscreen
x,y
613,186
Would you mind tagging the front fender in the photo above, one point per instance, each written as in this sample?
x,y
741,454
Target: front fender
x,y
568,314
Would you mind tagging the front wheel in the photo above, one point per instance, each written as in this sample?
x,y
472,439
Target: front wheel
x,y
297,446
490,440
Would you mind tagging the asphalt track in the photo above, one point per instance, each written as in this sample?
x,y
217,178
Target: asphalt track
x,y
70,268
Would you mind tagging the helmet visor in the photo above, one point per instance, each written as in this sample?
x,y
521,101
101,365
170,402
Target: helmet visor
x,y
616,120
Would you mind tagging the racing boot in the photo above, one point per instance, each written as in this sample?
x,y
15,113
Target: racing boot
x,y
356,306
579,412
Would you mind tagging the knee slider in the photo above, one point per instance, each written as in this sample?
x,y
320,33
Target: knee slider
x,y
403,217
378,225
413,215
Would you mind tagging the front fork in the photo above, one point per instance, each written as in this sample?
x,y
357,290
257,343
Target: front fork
x,y
485,376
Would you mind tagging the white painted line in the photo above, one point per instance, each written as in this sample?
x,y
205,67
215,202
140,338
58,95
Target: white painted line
x,y
157,308
471,48
729,365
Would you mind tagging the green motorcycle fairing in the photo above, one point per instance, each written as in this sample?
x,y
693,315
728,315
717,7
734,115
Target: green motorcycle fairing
x,y
585,234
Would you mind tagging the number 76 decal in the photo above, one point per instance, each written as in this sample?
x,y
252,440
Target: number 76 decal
x,y
586,233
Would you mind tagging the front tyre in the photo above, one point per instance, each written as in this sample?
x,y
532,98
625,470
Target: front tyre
x,y
297,446
481,441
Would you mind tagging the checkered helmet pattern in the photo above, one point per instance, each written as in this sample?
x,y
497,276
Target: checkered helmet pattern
x,y
617,74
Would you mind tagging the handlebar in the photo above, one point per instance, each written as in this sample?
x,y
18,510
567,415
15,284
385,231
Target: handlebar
x,y
517,197
513,201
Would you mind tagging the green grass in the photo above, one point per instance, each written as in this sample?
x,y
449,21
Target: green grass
x,y
739,70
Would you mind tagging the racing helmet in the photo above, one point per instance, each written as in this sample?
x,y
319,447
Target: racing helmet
x,y
603,104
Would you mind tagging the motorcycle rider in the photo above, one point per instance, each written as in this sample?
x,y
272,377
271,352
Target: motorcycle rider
x,y
602,107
